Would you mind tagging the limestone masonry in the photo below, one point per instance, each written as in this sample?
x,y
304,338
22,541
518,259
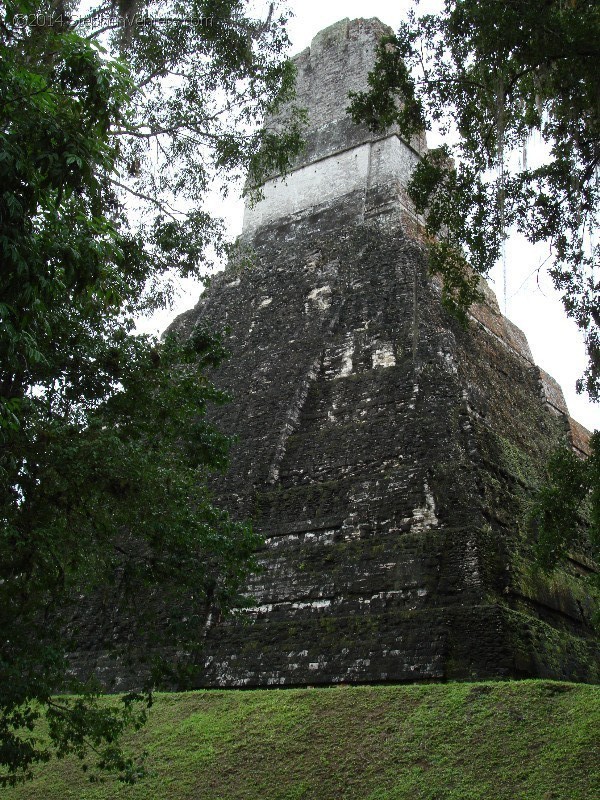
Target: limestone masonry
x,y
384,452
340,157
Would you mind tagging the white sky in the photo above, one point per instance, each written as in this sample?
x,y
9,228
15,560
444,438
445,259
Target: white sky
x,y
533,304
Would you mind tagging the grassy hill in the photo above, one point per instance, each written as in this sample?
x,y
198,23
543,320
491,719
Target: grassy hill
x,y
525,740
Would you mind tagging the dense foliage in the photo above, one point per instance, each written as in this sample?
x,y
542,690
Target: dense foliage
x,y
105,447
491,73
571,491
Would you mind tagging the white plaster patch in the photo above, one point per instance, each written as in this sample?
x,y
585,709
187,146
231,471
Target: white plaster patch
x,y
266,609
321,298
313,604
320,537
388,595
384,356
424,517
346,368
266,302
278,541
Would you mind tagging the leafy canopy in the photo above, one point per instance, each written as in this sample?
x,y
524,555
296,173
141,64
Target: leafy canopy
x,y
573,484
105,448
494,72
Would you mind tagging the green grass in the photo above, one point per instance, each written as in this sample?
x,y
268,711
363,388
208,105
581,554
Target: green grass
x,y
529,740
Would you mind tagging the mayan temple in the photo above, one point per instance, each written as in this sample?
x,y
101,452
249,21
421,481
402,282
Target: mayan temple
x,y
383,451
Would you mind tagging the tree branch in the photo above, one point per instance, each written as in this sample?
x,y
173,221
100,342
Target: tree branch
x,y
161,206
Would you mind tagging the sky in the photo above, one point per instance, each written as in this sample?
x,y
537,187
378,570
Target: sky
x,y
532,303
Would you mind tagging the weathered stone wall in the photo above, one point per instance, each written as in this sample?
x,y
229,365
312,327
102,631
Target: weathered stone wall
x,y
340,157
385,453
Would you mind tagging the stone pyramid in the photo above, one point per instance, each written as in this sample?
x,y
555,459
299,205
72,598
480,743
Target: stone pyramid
x,y
384,452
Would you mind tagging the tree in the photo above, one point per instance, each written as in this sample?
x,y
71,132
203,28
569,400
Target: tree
x,y
556,513
105,442
493,72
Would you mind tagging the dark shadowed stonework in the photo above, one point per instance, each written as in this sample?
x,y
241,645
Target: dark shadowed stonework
x,y
384,452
